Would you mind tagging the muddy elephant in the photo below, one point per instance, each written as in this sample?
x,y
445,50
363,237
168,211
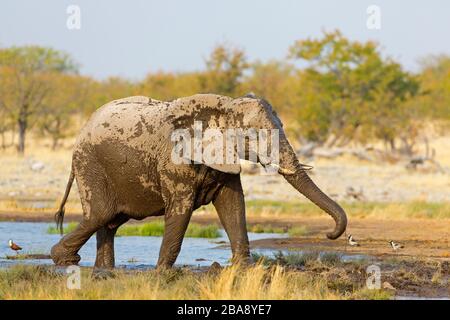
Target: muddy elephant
x,y
123,162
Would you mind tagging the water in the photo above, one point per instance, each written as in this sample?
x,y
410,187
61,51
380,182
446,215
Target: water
x,y
130,252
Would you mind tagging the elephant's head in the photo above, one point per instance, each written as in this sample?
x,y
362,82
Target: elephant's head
x,y
260,115
251,113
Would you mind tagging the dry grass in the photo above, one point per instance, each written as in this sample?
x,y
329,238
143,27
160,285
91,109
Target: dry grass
x,y
379,210
258,282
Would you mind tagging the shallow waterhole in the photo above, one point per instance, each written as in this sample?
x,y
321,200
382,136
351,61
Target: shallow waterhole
x,y
130,251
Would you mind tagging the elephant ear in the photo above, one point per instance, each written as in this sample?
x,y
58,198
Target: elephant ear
x,y
215,148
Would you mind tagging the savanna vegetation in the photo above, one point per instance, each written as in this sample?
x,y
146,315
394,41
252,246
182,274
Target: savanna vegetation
x,y
258,282
330,91
284,276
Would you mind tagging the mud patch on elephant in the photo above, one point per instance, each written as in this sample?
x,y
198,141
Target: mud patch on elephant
x,y
137,131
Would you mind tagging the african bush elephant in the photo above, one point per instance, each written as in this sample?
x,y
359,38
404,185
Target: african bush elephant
x,y
123,164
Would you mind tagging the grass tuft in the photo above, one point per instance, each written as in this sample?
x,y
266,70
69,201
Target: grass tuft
x,y
156,229
263,228
153,228
298,231
66,229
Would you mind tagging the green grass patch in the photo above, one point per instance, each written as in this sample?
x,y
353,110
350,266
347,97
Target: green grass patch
x,y
261,228
153,228
300,259
156,229
291,259
297,231
331,258
67,228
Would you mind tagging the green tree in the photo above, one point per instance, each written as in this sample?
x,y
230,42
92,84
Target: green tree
x,y
169,86
68,98
275,81
6,124
101,92
224,71
350,92
435,76
24,82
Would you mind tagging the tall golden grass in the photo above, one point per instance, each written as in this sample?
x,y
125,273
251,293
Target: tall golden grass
x,y
256,282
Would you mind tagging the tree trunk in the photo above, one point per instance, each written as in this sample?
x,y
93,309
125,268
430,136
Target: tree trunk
x,y
55,142
392,145
22,130
3,140
13,135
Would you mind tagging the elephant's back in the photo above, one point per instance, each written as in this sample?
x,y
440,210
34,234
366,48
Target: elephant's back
x,y
133,120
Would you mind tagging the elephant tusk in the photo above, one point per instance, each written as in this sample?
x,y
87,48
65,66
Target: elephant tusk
x,y
280,169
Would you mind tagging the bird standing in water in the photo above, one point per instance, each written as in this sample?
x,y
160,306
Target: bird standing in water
x,y
14,246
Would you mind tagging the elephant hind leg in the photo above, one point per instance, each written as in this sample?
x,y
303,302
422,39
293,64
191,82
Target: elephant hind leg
x,y
105,242
65,252
99,207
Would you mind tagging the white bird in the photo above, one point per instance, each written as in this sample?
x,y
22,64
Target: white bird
x,y
352,241
14,246
395,246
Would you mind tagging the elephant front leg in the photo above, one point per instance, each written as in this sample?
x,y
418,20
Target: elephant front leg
x,y
177,216
230,207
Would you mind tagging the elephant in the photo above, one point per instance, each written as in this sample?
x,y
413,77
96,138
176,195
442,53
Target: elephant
x,y
123,164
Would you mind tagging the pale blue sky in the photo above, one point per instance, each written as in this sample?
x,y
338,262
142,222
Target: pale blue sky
x,y
130,38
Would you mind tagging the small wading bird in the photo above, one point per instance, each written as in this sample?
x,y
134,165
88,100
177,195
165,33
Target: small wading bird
x,y
14,246
395,246
352,241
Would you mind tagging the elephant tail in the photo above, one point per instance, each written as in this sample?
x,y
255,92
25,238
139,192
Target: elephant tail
x,y
59,215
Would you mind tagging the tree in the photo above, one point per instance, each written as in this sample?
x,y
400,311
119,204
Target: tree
x,y
24,82
69,96
435,76
169,86
350,92
6,124
275,81
224,70
101,92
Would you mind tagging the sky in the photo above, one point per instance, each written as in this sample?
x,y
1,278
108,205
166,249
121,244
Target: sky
x,y
131,38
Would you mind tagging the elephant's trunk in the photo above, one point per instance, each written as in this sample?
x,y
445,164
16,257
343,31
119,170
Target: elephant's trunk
x,y
293,172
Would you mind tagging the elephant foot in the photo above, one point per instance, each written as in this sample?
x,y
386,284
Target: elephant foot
x,y
165,262
62,257
242,260
102,274
161,267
